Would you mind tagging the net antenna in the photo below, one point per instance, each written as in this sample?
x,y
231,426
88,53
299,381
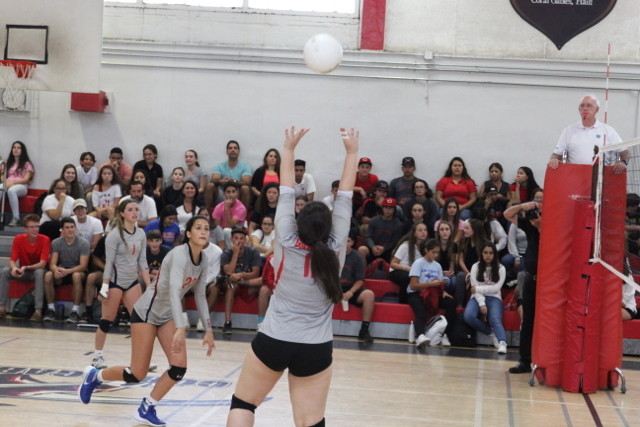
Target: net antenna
x,y
16,76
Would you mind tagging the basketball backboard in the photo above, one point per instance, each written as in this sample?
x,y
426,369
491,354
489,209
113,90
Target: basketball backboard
x,y
63,37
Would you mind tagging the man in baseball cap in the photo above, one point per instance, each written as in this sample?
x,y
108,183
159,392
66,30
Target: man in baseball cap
x,y
400,188
363,186
383,234
87,227
373,205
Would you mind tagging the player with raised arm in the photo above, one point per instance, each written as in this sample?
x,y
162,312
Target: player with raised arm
x,y
296,333
158,313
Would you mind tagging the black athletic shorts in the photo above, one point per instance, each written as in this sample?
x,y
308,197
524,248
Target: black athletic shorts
x,y
135,318
633,315
113,285
302,360
354,299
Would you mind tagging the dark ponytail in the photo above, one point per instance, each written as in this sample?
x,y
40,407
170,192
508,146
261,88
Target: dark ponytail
x,y
314,228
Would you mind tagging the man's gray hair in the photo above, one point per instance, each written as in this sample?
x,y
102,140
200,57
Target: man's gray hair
x,y
590,95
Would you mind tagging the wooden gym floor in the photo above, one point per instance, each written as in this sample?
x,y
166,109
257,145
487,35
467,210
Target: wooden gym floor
x,y
389,383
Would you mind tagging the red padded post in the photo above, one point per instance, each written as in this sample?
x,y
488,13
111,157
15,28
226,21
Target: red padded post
x,y
372,24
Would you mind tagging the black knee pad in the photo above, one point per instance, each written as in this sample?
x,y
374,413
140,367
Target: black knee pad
x,y
176,373
319,424
241,404
129,377
105,325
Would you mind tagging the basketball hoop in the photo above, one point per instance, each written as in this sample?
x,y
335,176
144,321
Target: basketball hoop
x,y
15,94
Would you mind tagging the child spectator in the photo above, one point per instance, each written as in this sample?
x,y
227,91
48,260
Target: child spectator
x,y
496,205
400,188
487,276
267,173
87,227
55,206
120,168
70,176
300,202
365,181
87,175
469,253
167,225
495,180
28,263
106,193
261,238
405,254
20,171
422,194
172,195
452,215
305,185
383,234
417,217
331,199
458,184
156,251
266,204
353,291
190,206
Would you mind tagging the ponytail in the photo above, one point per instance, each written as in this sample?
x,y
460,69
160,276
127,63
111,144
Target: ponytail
x,y
325,267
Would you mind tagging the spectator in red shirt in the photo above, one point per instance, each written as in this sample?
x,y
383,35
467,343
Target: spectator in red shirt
x,y
363,186
523,187
458,184
31,251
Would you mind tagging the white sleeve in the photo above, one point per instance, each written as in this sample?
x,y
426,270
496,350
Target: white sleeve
x,y
498,232
628,296
562,145
511,241
97,226
311,188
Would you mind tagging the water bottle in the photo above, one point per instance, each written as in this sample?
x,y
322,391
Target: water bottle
x,y
60,311
412,333
345,305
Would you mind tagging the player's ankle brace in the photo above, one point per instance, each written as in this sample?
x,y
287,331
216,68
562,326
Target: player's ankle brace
x,y
237,403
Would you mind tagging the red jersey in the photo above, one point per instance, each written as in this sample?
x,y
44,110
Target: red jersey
x,y
523,193
29,254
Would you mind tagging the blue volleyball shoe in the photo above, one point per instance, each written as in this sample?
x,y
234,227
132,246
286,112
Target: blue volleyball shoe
x,y
147,415
89,383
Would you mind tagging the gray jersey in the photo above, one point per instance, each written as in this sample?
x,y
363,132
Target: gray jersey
x,y
299,310
123,261
178,273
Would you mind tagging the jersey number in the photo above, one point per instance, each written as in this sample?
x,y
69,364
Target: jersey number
x,y
307,267
189,281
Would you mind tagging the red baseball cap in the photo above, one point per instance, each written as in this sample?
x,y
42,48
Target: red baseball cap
x,y
364,160
389,201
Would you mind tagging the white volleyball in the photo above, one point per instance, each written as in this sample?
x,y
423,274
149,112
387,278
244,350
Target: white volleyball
x,y
322,53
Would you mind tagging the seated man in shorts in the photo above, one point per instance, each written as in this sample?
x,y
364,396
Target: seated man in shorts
x,y
240,264
352,279
68,264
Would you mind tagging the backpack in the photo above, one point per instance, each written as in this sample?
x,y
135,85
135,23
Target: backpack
x,y
377,270
462,335
435,327
26,306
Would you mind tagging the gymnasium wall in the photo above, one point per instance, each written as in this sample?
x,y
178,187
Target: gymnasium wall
x,y
494,90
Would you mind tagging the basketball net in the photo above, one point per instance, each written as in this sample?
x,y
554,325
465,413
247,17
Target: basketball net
x,y
16,76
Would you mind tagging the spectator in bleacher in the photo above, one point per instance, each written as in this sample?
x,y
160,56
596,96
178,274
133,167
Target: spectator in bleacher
x,y
517,246
267,173
305,185
216,235
496,205
28,263
190,205
495,180
469,252
68,265
94,281
632,223
87,227
373,207
422,194
167,225
240,263
87,175
55,206
230,212
403,258
331,198
458,184
300,202
416,217
20,171
262,238
152,169
126,260
213,253
448,253
365,181
141,176
231,171
107,193
172,194
70,176
530,224
156,251
452,215
266,204
353,290
123,170
427,294
523,187
146,206
383,234
492,228
487,277
400,188
194,172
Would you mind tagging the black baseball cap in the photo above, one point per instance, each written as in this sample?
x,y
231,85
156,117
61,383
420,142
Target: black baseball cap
x,y
408,160
381,185
491,189
238,229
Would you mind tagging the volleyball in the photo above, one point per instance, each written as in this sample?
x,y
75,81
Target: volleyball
x,y
322,53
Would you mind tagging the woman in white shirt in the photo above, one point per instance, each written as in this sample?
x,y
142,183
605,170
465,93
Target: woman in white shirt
x,y
262,237
403,258
55,206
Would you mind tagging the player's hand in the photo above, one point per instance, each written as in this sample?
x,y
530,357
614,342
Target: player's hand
x,y
17,272
293,137
178,344
208,341
350,140
347,296
553,163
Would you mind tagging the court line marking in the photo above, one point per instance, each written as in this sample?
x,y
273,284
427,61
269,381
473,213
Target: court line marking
x,y
9,341
618,410
478,413
509,400
592,409
565,411
210,412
